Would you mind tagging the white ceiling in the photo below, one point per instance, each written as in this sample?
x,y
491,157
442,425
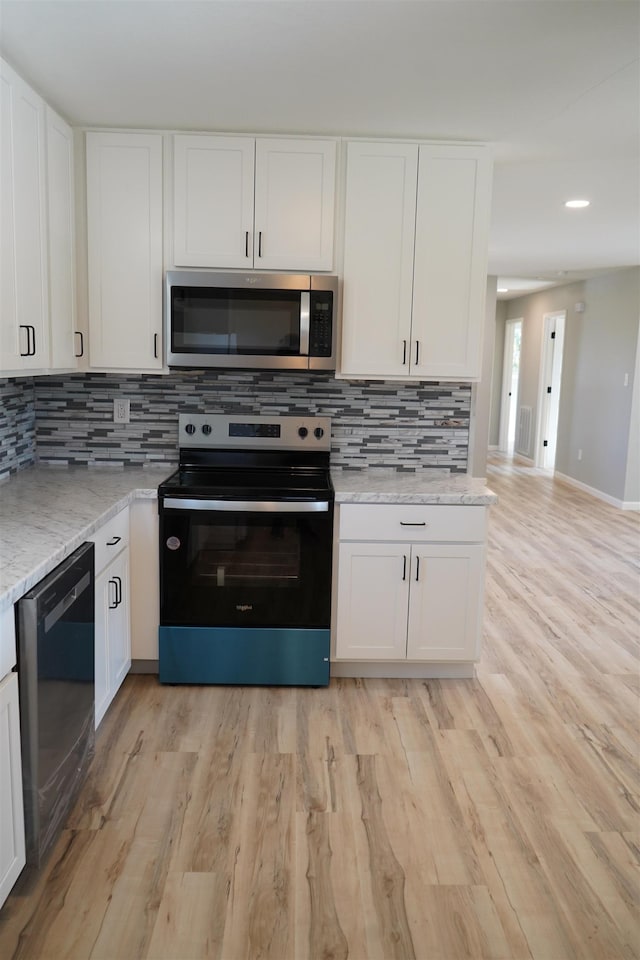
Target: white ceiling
x,y
554,85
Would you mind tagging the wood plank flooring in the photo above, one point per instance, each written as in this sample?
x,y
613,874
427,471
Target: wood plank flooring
x,y
380,819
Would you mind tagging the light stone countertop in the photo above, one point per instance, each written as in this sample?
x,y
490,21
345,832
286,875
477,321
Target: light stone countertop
x,y
392,486
46,512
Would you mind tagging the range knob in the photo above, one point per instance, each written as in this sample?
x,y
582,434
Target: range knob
x,y
318,433
206,429
302,432
190,428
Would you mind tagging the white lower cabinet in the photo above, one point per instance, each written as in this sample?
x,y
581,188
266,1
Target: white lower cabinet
x,y
415,599
113,632
12,844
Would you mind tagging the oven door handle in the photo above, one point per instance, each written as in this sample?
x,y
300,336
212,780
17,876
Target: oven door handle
x,y
247,506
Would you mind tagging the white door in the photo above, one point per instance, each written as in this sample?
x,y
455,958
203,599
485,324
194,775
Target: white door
x,y
24,321
450,269
124,234
12,845
213,201
65,343
104,592
378,258
445,609
549,388
294,204
119,629
373,593
510,380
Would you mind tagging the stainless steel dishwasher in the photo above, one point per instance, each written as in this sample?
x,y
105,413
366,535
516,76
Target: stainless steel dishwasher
x,y
56,652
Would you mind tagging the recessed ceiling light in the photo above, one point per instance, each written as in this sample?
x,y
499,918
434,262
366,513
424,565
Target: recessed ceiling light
x,y
576,204
503,289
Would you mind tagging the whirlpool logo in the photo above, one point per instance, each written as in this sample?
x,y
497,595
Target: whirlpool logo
x,y
243,607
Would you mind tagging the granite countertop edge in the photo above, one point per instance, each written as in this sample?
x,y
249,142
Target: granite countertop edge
x,y
47,512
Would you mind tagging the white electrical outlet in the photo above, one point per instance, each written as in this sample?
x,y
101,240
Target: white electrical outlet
x,y
121,411
579,454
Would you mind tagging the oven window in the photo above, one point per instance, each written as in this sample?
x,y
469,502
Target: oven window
x,y
240,322
245,569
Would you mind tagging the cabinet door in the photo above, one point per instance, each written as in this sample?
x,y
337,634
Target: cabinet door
x,y
113,643
373,594
294,204
119,629
450,276
445,607
124,232
213,201
12,847
378,258
104,597
24,338
61,243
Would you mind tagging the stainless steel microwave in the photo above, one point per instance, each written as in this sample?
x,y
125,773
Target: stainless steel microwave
x,y
251,320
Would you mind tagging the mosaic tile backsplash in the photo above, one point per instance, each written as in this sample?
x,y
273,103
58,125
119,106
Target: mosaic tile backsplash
x,y
17,425
381,424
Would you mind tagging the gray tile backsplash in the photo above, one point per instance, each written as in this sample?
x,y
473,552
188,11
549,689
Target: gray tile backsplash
x,y
384,424
17,425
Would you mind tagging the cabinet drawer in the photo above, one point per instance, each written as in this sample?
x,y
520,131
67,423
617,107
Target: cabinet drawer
x,y
412,522
111,538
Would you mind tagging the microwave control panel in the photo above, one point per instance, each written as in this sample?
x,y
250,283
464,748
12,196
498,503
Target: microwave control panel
x,y
320,323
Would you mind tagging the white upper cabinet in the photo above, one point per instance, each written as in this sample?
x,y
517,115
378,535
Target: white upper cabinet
x,y
450,262
415,260
213,201
378,258
66,343
125,265
24,317
294,204
246,203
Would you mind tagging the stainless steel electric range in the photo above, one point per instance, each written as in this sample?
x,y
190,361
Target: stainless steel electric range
x,y
246,531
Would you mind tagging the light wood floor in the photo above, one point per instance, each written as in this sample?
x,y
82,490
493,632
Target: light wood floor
x,y
487,818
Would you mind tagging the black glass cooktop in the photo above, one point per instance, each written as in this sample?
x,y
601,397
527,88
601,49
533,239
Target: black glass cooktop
x,y
248,484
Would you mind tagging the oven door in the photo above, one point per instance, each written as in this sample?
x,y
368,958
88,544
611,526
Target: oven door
x,y
227,563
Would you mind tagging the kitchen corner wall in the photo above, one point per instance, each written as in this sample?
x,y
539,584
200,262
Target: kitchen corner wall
x,y
69,419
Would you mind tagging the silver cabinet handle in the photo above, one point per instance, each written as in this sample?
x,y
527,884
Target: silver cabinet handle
x,y
247,506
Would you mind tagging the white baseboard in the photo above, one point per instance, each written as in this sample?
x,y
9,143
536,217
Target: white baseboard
x,y
594,492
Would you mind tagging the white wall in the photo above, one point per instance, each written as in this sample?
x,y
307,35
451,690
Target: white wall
x,y
597,412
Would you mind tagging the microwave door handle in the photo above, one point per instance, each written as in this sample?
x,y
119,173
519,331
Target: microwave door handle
x,y
305,307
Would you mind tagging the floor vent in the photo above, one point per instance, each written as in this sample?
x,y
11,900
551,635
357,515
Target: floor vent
x,y
523,439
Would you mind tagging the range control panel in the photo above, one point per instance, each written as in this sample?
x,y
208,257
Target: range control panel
x,y
249,432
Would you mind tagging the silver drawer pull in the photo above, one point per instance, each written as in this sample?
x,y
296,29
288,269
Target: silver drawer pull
x,y
406,523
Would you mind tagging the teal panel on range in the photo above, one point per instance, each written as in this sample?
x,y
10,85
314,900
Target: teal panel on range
x,y
270,657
